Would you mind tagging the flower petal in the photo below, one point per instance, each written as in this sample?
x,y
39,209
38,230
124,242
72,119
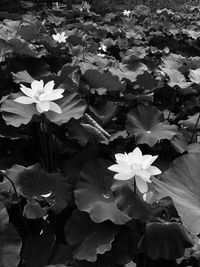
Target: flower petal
x,y
54,107
123,176
24,100
141,184
121,157
44,106
37,86
120,167
147,160
48,88
27,91
154,170
39,109
56,94
135,156
144,174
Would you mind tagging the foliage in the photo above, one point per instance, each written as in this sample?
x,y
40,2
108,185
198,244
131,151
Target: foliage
x,y
130,82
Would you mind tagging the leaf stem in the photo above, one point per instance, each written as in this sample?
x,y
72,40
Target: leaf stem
x,y
195,127
145,245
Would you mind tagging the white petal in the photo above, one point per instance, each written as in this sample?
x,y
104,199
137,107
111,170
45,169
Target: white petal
x,y
37,86
141,184
144,174
121,157
39,109
123,176
54,107
121,167
147,160
24,100
56,94
44,106
27,91
135,156
154,170
48,88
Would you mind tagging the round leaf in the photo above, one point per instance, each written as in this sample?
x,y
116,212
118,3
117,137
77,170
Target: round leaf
x,y
181,183
93,193
96,79
90,238
148,125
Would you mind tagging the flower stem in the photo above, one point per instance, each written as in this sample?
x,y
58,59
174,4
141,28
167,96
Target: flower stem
x,y
134,186
145,245
20,207
195,127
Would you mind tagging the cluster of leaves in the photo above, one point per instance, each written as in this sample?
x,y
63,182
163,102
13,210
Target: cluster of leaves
x,y
128,82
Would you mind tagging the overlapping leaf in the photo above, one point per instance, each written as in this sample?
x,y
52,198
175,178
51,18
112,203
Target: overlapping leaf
x,y
147,124
181,183
89,238
16,114
93,193
96,79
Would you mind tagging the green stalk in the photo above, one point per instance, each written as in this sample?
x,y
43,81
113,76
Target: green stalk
x,y
195,127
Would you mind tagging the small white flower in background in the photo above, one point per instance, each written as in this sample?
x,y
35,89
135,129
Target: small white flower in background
x,y
135,165
60,37
42,95
85,6
103,47
127,13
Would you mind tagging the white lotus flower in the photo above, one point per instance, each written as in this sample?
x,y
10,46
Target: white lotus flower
x,y
127,13
42,95
60,37
135,165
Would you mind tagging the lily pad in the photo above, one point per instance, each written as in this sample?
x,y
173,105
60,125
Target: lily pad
x,y
89,238
93,193
148,125
181,183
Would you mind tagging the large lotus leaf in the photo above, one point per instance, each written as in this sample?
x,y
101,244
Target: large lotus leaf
x,y
31,30
22,76
124,72
33,182
148,125
16,114
192,122
88,237
72,107
176,78
96,79
93,193
130,203
181,182
10,246
21,47
5,50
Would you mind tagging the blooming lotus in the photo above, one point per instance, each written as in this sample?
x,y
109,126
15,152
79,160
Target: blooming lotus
x,y
42,95
127,13
60,37
135,165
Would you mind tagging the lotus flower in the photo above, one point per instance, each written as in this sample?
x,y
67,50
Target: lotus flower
x,y
60,37
135,165
127,13
42,95
85,6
